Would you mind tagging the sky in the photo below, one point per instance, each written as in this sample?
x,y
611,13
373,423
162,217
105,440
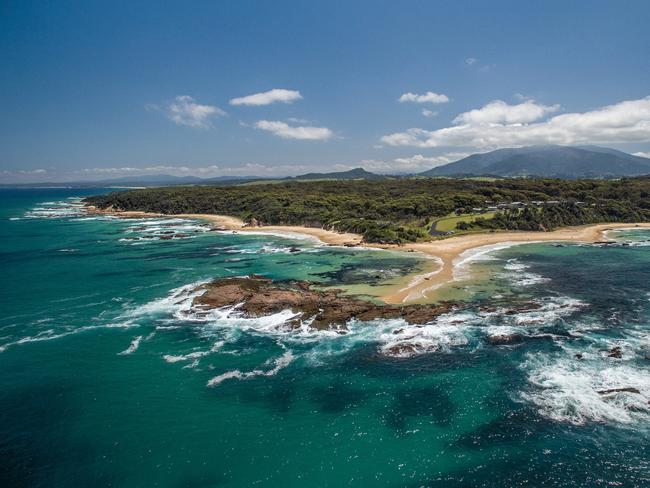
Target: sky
x,y
92,90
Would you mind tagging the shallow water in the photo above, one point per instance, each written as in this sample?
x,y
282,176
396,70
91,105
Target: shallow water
x,y
110,379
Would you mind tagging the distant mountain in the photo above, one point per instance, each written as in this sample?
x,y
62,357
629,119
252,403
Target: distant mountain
x,y
548,161
352,174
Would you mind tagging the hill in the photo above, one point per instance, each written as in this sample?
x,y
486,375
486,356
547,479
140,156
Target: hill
x,y
353,174
548,162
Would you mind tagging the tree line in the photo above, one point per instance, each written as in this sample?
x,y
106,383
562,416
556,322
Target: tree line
x,y
394,210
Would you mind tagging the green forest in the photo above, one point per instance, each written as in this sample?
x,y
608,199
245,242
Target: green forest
x,y
396,210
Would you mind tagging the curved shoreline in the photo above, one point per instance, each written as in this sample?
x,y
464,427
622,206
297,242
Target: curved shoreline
x,y
446,254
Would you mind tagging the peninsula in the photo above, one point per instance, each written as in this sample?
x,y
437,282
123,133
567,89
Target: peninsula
x,y
403,214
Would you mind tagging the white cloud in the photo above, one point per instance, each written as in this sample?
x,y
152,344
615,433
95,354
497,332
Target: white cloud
x,y
470,61
286,131
161,168
642,154
499,112
627,121
428,97
184,110
244,169
266,98
429,113
412,164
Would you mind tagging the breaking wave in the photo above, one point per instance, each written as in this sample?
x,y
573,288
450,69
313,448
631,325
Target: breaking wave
x,y
72,207
140,231
568,389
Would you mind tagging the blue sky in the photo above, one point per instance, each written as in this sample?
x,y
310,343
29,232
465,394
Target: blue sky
x,y
94,90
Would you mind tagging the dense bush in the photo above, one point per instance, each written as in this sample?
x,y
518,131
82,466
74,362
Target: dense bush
x,y
399,209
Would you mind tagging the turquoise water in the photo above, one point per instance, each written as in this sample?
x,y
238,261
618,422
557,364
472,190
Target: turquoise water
x,y
108,379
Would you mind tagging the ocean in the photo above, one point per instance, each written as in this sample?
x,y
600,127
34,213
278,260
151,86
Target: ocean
x,y
541,378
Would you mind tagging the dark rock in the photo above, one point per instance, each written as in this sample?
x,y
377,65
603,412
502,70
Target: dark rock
x,y
615,352
261,296
503,339
403,349
579,355
627,389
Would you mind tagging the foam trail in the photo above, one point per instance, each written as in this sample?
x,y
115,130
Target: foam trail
x,y
193,356
279,364
135,343
50,335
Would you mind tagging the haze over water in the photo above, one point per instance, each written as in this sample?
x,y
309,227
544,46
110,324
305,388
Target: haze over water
x,y
108,379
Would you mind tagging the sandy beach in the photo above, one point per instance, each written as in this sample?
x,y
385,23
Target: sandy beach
x,y
450,253
446,254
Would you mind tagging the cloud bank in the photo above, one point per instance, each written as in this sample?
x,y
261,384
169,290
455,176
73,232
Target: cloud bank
x,y
498,124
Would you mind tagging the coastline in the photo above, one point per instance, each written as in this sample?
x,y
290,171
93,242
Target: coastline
x,y
446,255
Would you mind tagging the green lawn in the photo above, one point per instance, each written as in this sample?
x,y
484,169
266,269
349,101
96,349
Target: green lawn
x,y
446,224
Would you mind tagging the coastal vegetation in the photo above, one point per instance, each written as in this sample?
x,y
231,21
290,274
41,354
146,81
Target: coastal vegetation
x,y
396,210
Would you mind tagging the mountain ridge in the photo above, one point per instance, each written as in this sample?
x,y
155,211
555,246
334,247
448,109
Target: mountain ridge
x,y
548,161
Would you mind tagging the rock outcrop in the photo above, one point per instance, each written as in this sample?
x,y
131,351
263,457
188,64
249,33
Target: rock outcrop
x,y
258,296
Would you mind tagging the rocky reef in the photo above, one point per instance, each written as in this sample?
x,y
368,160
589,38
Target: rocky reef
x,y
257,296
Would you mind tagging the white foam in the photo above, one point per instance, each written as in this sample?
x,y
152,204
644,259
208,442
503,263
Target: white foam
x,y
282,234
51,334
416,294
192,356
73,207
551,310
176,303
409,341
278,364
135,343
482,253
566,389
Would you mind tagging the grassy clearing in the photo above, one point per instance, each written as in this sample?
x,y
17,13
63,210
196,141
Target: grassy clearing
x,y
449,223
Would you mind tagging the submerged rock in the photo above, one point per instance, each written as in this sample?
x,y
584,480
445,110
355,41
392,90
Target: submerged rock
x,y
615,353
504,339
258,296
627,389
